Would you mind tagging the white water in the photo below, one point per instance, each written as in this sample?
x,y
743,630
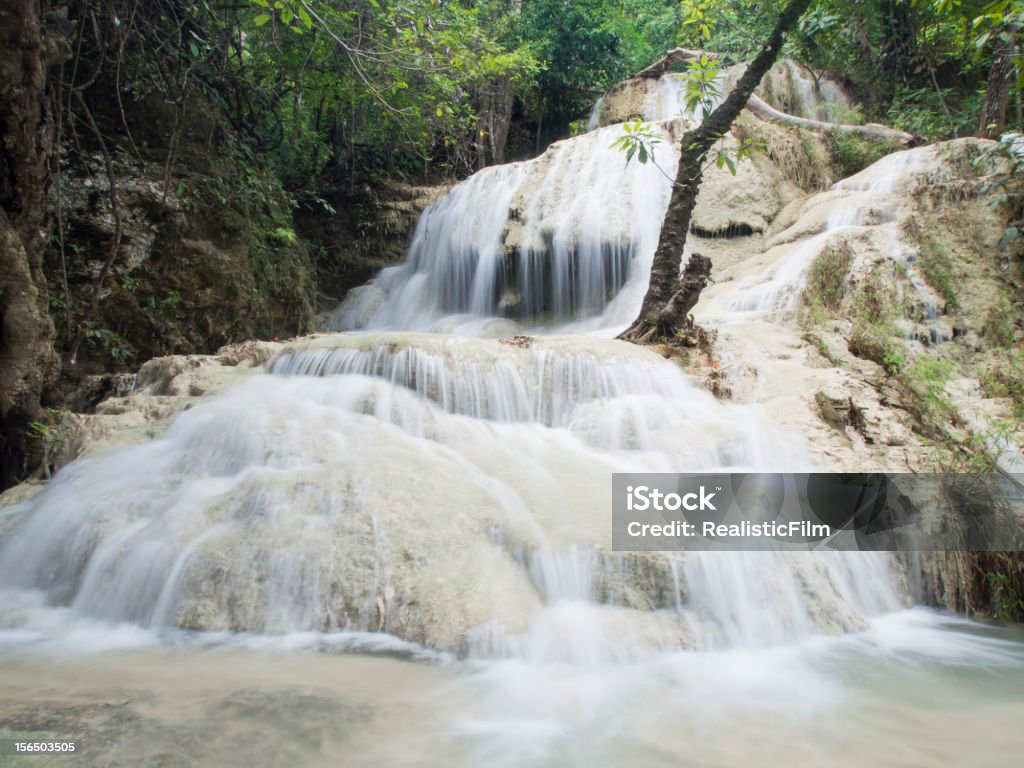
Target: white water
x,y
822,100
668,101
446,498
863,205
552,240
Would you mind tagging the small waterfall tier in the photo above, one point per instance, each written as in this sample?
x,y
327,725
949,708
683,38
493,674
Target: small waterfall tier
x,y
547,380
548,241
451,491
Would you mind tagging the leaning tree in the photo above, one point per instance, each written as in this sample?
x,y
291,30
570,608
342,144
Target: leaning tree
x,y
670,296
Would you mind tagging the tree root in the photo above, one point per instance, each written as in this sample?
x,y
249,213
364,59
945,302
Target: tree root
x,y
675,319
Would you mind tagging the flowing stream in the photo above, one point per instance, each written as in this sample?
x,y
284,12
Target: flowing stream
x,y
392,547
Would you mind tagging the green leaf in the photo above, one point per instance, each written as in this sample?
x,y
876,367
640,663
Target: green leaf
x,y
306,18
262,19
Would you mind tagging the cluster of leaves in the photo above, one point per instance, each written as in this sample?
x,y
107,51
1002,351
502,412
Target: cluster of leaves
x,y
1004,576
637,138
702,85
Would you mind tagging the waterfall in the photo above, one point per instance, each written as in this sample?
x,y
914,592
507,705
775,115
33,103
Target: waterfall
x,y
422,496
455,263
865,205
552,240
341,488
817,100
421,479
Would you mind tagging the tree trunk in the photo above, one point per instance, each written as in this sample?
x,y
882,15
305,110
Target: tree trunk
x,y
871,131
494,119
1000,80
27,360
663,310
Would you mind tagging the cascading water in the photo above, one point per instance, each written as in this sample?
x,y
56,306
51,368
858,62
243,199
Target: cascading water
x,y
552,240
817,99
444,495
862,205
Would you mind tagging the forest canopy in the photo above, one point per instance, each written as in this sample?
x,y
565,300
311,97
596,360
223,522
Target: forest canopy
x,y
349,89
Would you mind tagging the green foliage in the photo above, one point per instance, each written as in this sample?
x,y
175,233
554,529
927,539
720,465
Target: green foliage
x,y
1008,188
740,29
701,80
371,87
925,377
39,430
702,73
746,149
166,305
284,236
932,113
852,153
917,64
874,299
700,17
875,341
1005,378
937,269
998,328
637,139
894,356
826,279
874,335
583,46
812,150
646,28
120,350
1004,575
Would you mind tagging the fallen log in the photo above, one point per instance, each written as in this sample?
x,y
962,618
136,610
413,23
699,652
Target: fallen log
x,y
767,112
670,59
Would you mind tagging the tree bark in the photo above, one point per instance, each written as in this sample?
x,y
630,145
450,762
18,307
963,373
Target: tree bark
x,y
494,119
667,295
27,360
1000,80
